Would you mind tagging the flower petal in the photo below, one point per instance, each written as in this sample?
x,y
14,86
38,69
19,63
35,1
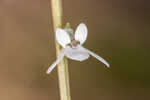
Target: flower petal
x,y
96,56
60,57
77,54
62,37
81,33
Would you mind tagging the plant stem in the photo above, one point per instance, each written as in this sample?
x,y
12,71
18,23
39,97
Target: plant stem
x,y
63,75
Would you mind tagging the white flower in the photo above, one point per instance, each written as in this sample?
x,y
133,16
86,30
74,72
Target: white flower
x,y
72,48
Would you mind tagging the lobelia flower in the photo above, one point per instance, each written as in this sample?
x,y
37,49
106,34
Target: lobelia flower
x,y
72,47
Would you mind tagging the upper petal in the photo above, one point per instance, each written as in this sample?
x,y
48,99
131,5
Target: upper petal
x,y
62,37
81,33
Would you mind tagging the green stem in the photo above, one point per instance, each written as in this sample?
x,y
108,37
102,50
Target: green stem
x,y
62,66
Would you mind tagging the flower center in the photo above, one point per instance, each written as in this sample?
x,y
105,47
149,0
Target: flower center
x,y
74,44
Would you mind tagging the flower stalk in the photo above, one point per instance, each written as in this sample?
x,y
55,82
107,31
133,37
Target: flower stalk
x,y
62,70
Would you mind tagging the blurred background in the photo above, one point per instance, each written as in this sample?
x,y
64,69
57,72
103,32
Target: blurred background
x,y
118,31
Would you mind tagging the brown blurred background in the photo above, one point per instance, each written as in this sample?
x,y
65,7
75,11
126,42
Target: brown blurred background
x,y
118,31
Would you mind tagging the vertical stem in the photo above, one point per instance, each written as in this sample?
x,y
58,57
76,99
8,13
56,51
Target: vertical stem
x,y
63,75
